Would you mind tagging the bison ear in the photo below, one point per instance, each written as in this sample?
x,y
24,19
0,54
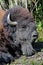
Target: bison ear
x,y
11,22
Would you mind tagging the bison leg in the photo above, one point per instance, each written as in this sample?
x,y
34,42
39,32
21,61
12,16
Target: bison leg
x,y
5,58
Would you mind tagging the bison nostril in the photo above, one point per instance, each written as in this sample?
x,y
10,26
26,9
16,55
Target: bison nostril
x,y
35,35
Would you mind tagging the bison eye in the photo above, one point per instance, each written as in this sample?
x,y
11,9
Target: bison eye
x,y
24,26
10,38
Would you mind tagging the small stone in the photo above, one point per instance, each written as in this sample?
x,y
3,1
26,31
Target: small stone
x,y
39,58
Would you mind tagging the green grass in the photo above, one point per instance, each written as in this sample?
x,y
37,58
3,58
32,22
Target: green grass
x,y
40,36
35,63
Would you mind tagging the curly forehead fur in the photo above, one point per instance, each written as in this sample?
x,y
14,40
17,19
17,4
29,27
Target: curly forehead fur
x,y
19,14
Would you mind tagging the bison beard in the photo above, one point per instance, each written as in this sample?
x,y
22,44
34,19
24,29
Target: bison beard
x,y
19,31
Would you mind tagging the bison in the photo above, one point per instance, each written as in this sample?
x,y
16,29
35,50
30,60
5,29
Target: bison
x,y
18,34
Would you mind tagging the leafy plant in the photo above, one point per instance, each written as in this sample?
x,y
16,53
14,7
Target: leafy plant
x,y
33,63
39,26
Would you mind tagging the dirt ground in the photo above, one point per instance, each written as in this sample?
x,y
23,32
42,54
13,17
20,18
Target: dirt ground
x,y
36,59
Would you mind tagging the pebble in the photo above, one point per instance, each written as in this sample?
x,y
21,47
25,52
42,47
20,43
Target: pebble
x,y
39,58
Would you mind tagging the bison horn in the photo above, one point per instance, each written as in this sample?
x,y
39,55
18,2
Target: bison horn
x,y
11,22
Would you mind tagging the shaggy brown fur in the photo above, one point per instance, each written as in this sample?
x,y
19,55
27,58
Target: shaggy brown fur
x,y
2,12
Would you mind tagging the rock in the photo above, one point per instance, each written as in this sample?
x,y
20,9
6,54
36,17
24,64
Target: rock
x,y
39,58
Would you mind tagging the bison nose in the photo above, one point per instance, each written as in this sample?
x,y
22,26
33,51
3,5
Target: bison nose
x,y
35,34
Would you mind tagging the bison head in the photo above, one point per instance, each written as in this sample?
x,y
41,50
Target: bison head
x,y
21,28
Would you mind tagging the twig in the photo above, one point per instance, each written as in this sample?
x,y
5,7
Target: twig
x,y
3,7
35,5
